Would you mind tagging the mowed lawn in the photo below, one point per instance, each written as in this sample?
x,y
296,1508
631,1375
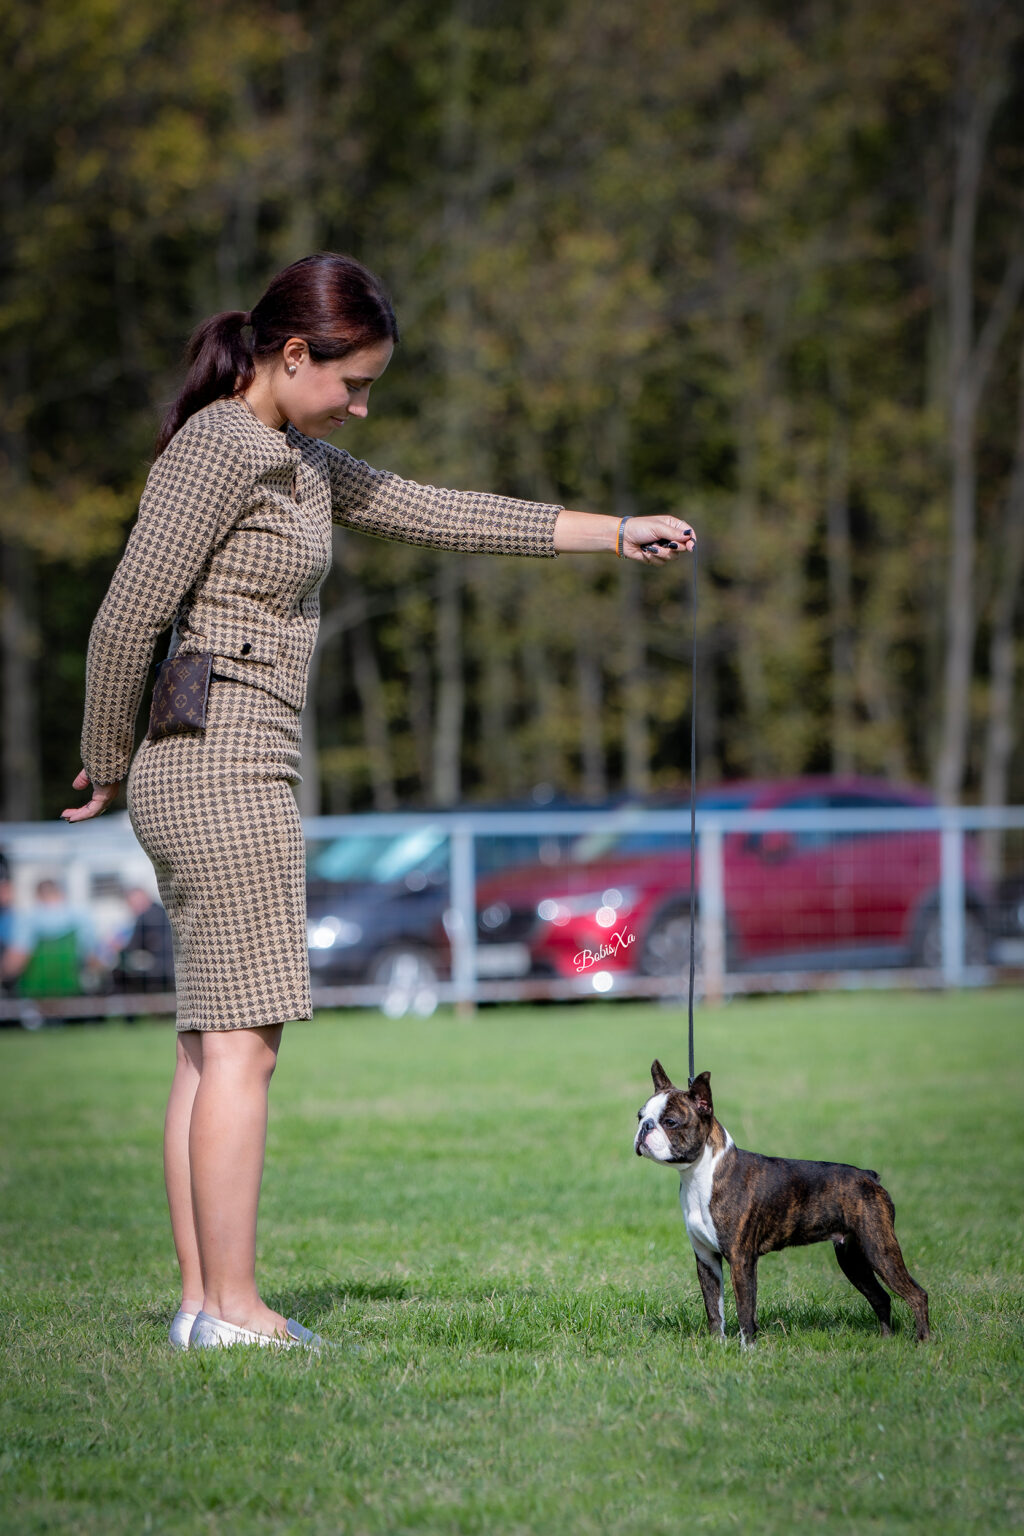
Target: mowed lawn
x,y
521,1344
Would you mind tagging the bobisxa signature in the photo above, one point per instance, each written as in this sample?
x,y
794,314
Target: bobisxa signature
x,y
616,941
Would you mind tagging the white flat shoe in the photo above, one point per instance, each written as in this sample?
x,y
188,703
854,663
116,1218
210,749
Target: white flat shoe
x,y
214,1333
181,1327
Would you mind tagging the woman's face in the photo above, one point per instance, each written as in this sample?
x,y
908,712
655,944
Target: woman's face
x,y
318,398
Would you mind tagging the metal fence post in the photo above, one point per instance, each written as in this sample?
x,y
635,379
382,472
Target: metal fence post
x,y
952,902
462,918
712,911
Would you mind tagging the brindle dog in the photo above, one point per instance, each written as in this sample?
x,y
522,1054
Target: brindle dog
x,y
739,1205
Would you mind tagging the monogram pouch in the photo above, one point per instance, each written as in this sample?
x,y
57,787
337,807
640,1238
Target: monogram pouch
x,y
180,693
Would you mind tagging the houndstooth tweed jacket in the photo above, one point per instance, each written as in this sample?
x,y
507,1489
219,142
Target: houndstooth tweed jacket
x,y
232,543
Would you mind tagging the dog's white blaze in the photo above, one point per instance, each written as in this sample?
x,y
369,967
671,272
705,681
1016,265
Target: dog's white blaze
x,y
655,1144
655,1107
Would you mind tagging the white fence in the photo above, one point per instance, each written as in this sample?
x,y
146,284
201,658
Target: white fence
x,y
96,860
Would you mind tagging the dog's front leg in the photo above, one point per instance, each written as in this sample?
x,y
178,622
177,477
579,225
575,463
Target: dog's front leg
x,y
744,1285
709,1273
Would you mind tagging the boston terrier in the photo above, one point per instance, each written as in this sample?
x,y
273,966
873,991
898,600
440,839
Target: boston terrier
x,y
738,1205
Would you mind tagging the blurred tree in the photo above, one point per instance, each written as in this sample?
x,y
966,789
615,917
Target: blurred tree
x,y
759,264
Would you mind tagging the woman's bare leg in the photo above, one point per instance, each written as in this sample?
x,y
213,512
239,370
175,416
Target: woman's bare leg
x,y
226,1146
177,1174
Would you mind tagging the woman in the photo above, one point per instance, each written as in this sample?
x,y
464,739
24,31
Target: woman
x,y
232,542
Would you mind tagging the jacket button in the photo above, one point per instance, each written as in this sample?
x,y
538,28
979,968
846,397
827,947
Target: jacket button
x,y
246,648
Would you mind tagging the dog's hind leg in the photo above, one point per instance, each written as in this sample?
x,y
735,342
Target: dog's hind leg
x,y
858,1271
709,1273
877,1235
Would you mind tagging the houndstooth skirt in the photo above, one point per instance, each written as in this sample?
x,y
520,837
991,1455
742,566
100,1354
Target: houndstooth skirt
x,y
216,815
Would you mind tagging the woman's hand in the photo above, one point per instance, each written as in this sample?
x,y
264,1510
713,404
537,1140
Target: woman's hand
x,y
586,532
103,795
654,539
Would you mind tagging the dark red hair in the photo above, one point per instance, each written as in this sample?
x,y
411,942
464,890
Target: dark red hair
x,y
331,302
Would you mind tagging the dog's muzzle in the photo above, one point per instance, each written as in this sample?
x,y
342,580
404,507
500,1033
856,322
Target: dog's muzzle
x,y
641,1136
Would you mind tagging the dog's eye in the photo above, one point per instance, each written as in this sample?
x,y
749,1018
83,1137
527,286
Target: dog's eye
x,y
672,1124
639,1114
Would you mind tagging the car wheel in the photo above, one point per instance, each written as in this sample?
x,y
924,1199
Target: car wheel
x,y
928,947
666,950
408,979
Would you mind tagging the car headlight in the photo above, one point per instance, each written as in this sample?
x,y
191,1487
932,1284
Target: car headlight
x,y
495,916
332,933
604,906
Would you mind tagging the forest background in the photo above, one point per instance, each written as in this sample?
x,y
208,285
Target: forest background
x,y
758,263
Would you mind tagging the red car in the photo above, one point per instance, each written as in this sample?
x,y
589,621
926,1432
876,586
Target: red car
x,y
793,900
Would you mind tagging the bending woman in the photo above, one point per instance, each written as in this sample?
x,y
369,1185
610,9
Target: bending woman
x,y
231,545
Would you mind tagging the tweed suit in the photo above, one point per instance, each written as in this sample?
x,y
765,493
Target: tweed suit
x,y
232,543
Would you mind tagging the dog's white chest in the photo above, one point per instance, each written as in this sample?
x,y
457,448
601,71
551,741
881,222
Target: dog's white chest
x,y
695,1185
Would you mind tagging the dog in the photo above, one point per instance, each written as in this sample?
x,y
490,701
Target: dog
x,y
739,1205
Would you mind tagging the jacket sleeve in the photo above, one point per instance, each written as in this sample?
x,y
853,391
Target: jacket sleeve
x,y
195,492
377,502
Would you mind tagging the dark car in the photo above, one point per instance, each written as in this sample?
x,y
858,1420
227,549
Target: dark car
x,y
793,900
375,904
371,901
1009,919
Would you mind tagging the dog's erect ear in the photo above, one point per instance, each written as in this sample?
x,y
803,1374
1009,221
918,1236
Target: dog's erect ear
x,y
700,1093
660,1077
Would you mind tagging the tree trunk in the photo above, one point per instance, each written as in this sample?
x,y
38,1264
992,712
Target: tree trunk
x,y
840,592
636,746
983,84
456,222
543,695
999,733
589,699
375,721
446,779
632,641
19,633
19,639
416,653
747,598
300,95
873,687
500,755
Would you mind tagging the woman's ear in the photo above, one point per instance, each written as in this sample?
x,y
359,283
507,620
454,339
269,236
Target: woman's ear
x,y
295,352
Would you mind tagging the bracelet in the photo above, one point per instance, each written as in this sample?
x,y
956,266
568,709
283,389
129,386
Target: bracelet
x,y
618,537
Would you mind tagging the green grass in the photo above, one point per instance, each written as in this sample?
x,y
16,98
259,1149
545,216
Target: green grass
x,y
522,1340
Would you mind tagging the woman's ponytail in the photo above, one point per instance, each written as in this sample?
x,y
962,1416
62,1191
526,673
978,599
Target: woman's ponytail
x,y
221,363
331,302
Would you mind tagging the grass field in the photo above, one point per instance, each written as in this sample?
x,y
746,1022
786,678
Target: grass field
x,y
521,1339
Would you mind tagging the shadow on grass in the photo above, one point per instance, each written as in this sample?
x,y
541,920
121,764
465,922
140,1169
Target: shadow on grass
x,y
794,1317
530,1317
628,1318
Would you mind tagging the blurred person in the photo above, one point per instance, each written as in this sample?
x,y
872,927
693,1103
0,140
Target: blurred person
x,y
51,944
144,951
6,909
232,542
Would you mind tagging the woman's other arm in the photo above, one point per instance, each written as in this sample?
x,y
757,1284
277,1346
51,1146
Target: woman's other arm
x,y
194,492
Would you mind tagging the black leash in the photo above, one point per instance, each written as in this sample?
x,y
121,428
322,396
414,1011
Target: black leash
x,y
693,810
693,794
